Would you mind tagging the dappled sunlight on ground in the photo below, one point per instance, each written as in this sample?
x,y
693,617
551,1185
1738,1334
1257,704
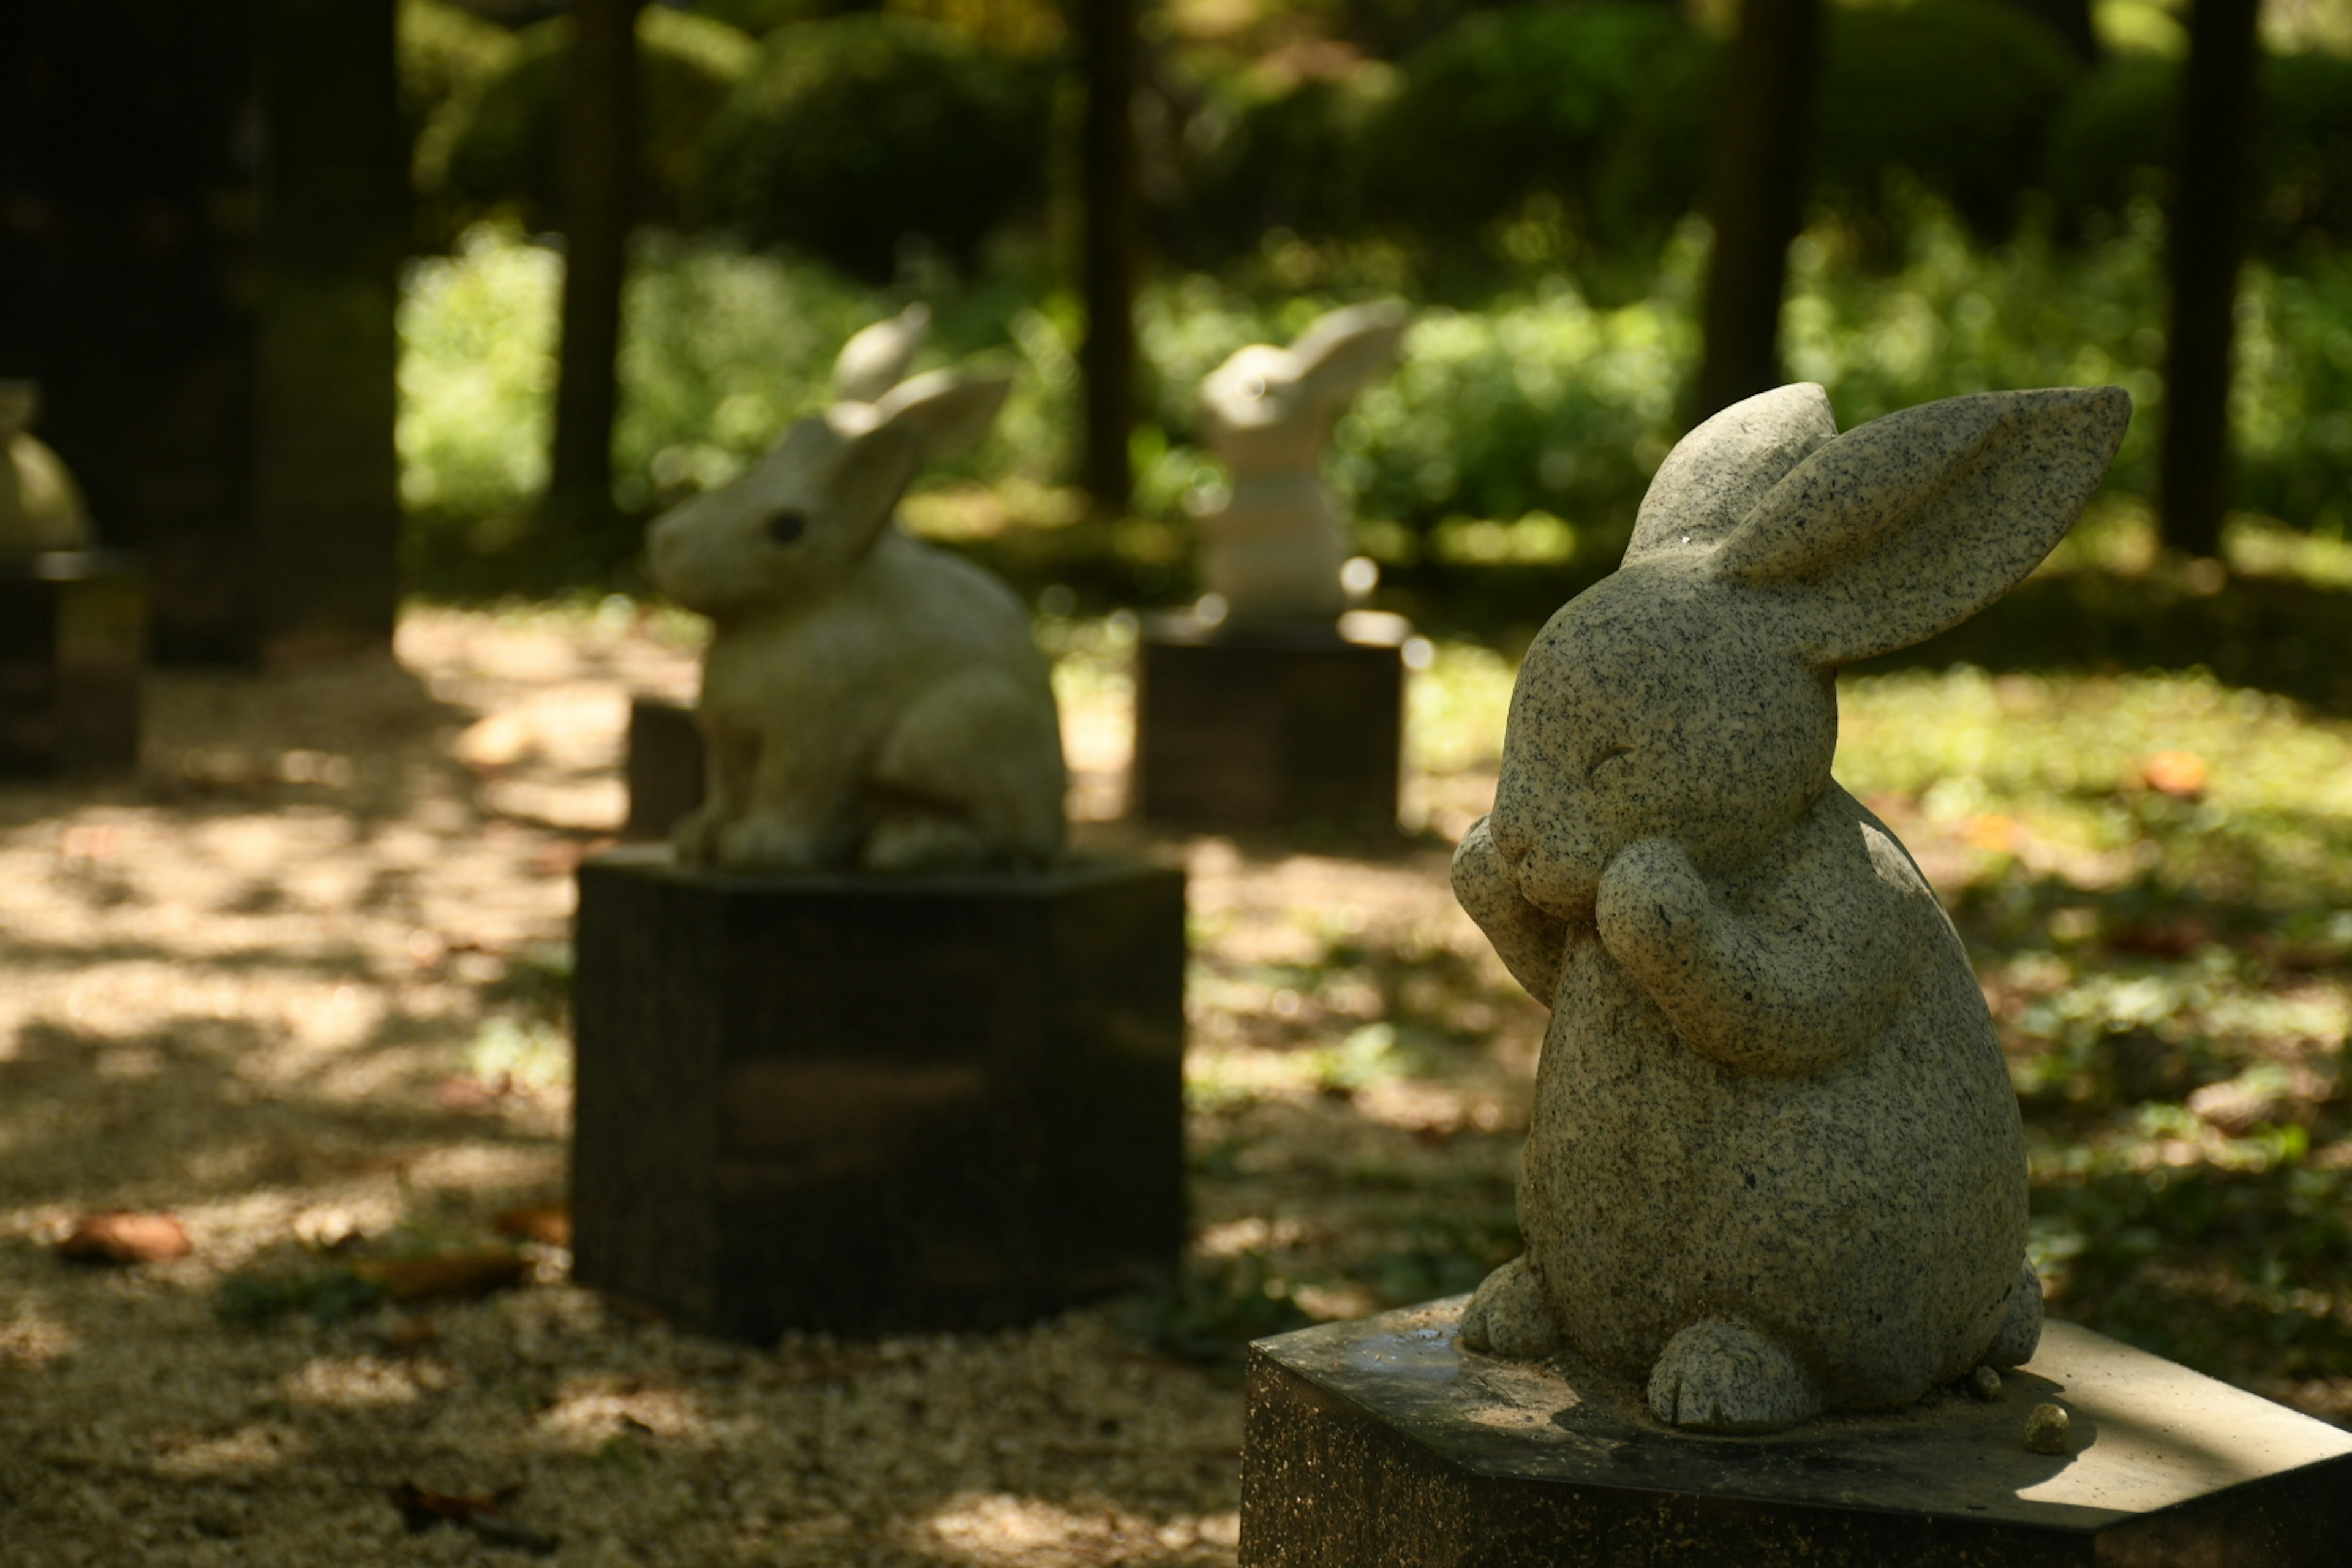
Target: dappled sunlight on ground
x,y
303,985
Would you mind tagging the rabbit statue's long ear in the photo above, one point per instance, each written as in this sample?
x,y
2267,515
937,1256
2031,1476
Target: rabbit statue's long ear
x,y
1343,350
1717,474
1910,524
867,479
952,409
872,361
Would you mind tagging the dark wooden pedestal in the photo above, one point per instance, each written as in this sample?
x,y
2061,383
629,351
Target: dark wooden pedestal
x,y
1382,1444
73,635
663,768
866,1104
1269,725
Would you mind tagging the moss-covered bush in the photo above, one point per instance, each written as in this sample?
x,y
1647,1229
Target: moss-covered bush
x,y
498,151
853,133
1960,94
1595,106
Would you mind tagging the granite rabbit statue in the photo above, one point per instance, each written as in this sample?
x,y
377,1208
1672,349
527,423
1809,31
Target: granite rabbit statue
x,y
40,507
1775,1164
867,700
1274,548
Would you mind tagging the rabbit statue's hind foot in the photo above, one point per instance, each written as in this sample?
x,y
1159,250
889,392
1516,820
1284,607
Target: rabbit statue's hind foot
x,y
1722,1375
1509,1317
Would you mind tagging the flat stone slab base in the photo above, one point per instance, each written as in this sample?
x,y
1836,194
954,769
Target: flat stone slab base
x,y
663,767
871,1105
1262,726
73,636
1383,1444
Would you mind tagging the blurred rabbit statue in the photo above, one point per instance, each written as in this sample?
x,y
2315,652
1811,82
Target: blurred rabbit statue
x,y
40,506
1775,1164
1274,548
867,700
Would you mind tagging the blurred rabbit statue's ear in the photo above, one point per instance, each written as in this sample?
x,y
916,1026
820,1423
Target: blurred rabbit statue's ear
x,y
874,361
20,404
1717,474
1341,350
1909,525
867,479
950,410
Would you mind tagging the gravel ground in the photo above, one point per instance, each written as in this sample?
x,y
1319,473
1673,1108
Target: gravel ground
x,y
299,985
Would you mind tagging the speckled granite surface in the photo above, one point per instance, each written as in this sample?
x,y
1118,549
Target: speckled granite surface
x,y
1775,1165
1381,1441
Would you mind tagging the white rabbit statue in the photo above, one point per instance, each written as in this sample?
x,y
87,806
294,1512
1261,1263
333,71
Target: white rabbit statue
x,y
40,506
1775,1165
1274,548
867,700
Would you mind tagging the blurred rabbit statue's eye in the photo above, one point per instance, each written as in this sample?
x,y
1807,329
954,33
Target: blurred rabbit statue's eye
x,y
1254,387
786,526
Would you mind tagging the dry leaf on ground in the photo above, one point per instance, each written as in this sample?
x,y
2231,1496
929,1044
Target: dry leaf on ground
x,y
121,1236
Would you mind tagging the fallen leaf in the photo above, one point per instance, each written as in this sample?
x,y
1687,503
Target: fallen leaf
x,y
467,1094
482,1517
122,1236
550,1225
459,1274
2182,773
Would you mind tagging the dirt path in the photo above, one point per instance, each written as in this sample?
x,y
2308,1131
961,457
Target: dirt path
x,y
300,986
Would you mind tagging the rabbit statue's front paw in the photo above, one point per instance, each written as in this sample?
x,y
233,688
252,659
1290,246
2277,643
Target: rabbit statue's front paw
x,y
1529,941
1654,906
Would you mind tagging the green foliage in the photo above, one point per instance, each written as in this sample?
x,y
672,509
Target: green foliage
x,y
253,1300
761,17
2114,143
446,53
853,133
1959,94
496,149
1290,160
1591,106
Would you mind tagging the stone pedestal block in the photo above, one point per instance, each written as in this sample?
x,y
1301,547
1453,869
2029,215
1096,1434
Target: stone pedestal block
x,y
1383,1444
73,629
864,1104
1266,725
663,768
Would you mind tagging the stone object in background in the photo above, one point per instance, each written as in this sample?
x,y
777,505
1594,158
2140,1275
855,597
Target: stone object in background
x,y
208,204
1274,548
73,633
40,506
875,1104
1775,1165
1381,1441
1271,723
867,700
663,768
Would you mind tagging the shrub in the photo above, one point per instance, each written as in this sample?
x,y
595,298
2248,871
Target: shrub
x,y
498,150
1960,93
1290,159
852,133
2114,144
1592,106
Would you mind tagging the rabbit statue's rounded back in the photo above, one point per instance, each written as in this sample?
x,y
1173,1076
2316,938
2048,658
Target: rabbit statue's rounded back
x,y
867,700
1274,548
40,506
1775,1164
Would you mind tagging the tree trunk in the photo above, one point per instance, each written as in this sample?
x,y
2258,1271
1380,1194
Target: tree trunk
x,y
599,193
2206,241
1106,359
1756,203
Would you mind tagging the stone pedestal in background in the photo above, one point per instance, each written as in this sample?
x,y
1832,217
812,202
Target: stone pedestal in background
x,y
663,767
73,629
868,1104
1269,724
1381,1442
207,204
